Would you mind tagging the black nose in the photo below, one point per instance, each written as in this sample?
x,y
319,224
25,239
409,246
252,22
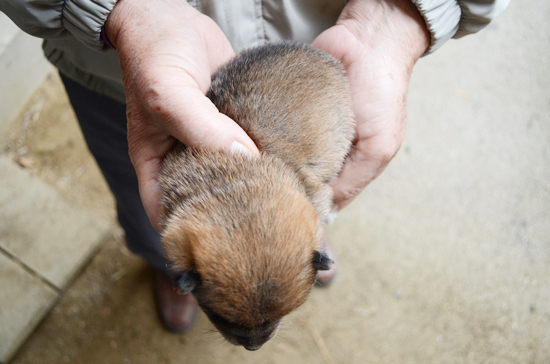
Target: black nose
x,y
252,347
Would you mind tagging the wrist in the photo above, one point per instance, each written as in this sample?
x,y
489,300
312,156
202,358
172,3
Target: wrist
x,y
114,22
390,28
132,20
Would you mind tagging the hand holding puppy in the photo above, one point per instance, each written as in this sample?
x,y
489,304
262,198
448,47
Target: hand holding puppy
x,y
378,42
167,52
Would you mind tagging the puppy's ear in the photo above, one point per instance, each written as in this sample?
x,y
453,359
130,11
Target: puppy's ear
x,y
176,241
321,261
187,281
177,248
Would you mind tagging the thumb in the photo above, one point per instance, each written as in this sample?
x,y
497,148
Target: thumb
x,y
204,127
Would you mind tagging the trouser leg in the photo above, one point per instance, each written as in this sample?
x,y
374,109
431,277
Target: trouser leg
x,y
103,123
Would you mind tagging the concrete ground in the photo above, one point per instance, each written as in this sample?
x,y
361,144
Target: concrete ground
x,y
445,258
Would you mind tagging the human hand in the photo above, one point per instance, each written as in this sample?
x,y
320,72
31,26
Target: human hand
x,y
378,42
167,52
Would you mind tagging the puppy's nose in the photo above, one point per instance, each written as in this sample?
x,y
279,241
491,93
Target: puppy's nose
x,y
252,347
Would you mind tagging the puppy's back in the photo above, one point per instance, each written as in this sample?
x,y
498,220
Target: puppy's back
x,y
294,102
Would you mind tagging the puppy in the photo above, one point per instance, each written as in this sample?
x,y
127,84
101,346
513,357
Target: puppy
x,y
243,233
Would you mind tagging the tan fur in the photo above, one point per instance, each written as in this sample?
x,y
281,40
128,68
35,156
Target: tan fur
x,y
249,225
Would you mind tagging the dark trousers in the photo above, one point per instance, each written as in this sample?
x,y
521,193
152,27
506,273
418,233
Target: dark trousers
x,y
103,123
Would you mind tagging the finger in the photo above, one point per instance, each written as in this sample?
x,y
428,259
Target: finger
x,y
339,42
218,48
149,189
147,148
367,160
204,127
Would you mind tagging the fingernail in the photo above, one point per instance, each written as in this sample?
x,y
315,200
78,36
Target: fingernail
x,y
237,147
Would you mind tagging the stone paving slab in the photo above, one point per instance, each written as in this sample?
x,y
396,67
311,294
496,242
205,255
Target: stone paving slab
x,y
44,242
24,299
22,68
45,232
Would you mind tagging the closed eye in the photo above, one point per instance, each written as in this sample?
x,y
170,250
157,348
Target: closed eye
x,y
214,317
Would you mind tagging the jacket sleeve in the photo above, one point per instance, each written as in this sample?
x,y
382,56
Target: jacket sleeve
x,y
82,19
456,18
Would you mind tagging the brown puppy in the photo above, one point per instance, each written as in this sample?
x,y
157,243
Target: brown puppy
x,y
244,232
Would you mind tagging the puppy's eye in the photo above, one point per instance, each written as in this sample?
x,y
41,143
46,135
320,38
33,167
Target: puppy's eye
x,y
215,318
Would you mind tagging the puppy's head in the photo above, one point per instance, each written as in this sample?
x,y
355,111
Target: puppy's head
x,y
248,267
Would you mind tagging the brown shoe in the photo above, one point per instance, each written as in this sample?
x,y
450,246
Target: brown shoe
x,y
326,277
177,312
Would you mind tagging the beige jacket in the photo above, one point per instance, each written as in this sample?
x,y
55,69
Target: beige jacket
x,y
71,28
